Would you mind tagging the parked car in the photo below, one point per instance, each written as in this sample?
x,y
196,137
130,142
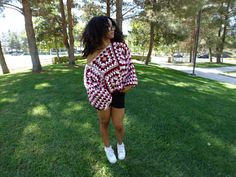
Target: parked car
x,y
16,53
226,55
178,55
203,55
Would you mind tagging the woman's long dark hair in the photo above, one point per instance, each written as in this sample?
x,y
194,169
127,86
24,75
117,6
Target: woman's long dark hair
x,y
95,31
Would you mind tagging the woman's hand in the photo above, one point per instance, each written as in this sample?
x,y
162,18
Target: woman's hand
x,y
126,89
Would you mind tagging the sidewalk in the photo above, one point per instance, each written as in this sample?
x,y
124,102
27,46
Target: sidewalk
x,y
209,73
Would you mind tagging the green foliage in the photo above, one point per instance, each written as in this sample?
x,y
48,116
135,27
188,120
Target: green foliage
x,y
213,21
78,30
213,65
139,58
90,9
169,30
48,26
138,37
15,41
65,59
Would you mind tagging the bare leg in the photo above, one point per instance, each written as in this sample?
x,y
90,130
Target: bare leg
x,y
104,119
117,120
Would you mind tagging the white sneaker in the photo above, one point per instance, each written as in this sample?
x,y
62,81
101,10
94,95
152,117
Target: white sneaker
x,y
121,151
110,154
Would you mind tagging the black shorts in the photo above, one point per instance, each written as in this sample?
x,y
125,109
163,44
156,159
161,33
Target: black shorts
x,y
118,100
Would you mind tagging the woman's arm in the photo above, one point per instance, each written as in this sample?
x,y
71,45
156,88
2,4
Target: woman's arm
x,y
98,95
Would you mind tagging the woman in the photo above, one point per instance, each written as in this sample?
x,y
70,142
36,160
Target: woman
x,y
108,75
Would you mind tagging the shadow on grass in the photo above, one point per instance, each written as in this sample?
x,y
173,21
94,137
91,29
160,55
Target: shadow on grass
x,y
181,126
47,125
176,126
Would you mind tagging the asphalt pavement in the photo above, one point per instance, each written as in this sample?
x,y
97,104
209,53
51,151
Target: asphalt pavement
x,y
19,63
216,73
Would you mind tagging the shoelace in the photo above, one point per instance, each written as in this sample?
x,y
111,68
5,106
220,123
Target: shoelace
x,y
110,152
120,149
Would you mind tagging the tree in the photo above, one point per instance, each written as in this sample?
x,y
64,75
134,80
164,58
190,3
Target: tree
x,y
165,28
196,42
5,69
27,12
69,44
31,36
49,33
138,38
90,9
70,29
108,5
217,28
153,11
14,41
208,32
224,20
119,17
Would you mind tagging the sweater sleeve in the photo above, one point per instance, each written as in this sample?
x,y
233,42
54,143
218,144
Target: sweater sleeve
x,y
131,78
98,95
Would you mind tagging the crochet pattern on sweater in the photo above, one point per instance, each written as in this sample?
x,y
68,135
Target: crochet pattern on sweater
x,y
111,71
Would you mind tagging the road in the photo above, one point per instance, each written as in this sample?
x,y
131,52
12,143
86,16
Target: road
x,y
216,73
23,62
164,59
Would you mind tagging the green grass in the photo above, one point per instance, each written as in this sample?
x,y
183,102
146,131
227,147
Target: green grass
x,y
231,74
176,126
205,64
212,65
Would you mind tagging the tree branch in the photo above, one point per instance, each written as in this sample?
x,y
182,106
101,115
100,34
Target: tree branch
x,y
129,10
10,6
131,16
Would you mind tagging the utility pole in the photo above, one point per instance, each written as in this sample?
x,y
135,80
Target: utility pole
x,y
197,32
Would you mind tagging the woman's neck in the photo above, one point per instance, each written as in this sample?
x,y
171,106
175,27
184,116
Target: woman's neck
x,y
105,43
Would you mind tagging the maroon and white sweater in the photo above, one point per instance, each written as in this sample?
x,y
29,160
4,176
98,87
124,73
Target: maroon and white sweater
x,y
111,71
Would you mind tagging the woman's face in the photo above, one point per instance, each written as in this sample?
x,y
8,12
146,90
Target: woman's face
x,y
111,30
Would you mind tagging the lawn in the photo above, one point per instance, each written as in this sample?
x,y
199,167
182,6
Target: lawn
x,y
207,64
231,74
212,65
176,126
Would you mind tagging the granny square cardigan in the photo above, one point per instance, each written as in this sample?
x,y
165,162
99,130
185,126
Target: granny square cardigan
x,y
111,71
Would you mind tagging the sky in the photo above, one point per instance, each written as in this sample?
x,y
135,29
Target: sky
x,y
13,20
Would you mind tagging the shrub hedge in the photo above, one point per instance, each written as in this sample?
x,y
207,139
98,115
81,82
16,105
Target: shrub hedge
x,y
139,57
64,59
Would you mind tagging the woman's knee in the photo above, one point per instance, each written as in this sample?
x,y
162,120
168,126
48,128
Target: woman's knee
x,y
104,124
119,126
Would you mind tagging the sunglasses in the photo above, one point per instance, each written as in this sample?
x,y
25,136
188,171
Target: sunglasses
x,y
111,28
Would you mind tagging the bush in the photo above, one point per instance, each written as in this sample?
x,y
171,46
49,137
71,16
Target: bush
x,y
65,59
138,57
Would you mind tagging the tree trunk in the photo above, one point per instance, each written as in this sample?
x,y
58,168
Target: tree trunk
x,y
5,69
31,36
58,57
192,43
148,59
119,17
220,46
64,27
197,32
218,54
70,22
191,53
108,8
210,54
224,29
